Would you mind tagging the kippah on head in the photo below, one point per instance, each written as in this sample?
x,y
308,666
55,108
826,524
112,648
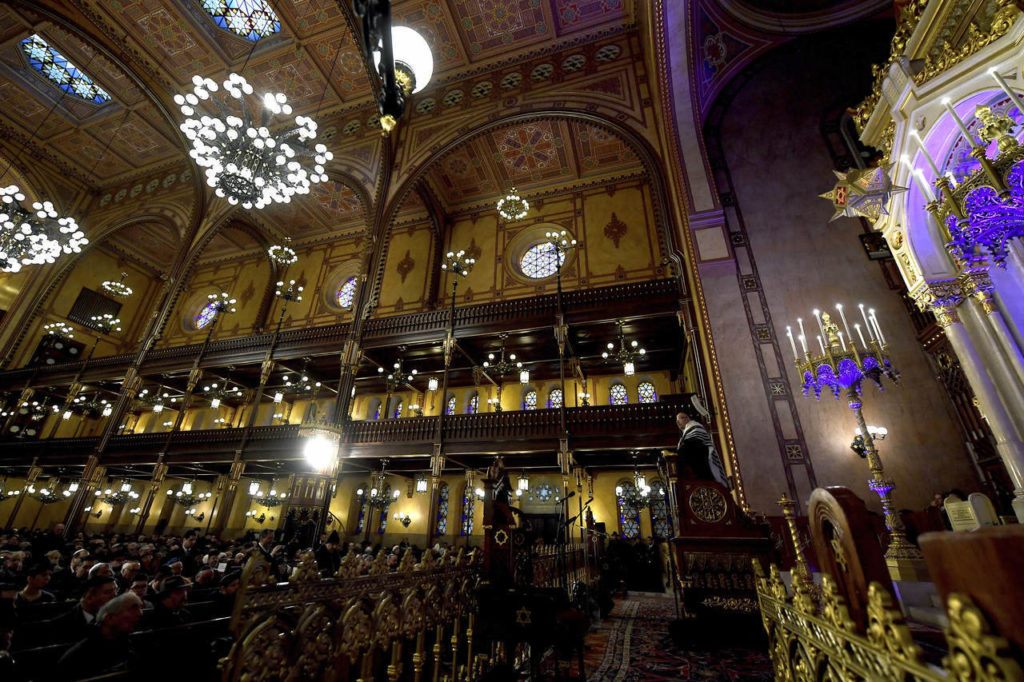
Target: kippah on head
x,y
98,581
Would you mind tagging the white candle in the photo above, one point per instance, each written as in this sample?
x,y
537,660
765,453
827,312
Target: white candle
x,y
1008,90
842,316
951,178
803,343
959,122
878,328
919,179
861,335
821,344
927,156
800,322
842,343
792,343
867,325
817,316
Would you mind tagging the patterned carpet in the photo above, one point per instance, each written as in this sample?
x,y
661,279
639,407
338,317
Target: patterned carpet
x,y
633,643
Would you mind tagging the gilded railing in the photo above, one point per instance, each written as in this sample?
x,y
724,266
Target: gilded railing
x,y
813,638
360,623
555,565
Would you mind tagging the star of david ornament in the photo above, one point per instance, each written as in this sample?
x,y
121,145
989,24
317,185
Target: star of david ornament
x,y
862,192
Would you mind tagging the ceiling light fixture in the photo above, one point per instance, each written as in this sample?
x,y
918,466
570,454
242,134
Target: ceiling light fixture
x,y
245,162
34,237
513,207
119,288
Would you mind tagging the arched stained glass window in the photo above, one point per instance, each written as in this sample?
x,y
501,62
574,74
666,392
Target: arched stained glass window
x,y
252,19
442,510
646,393
629,516
346,293
398,409
468,503
617,395
530,400
473,404
60,71
376,412
661,524
383,520
541,260
205,315
361,523
450,407
555,398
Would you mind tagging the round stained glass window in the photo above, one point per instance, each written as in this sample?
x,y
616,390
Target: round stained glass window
x,y
541,260
346,293
205,315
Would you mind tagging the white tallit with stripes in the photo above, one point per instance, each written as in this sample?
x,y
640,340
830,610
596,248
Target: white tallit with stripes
x,y
694,430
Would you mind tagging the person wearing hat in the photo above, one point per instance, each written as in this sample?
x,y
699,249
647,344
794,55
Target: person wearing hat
x,y
328,558
224,597
105,647
169,604
73,625
696,449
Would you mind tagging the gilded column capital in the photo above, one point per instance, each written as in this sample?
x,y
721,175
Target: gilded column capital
x,y
978,285
942,298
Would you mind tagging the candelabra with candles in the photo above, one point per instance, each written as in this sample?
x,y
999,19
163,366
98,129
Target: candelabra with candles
x,y
504,366
626,355
119,288
986,208
842,366
270,499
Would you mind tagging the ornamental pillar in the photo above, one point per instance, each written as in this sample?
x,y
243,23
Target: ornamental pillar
x,y
979,287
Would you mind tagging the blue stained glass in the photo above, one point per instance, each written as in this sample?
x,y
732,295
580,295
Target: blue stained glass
x,y
541,261
646,393
376,414
530,400
473,405
629,516
660,523
398,410
555,398
383,521
346,293
467,512
252,19
362,517
205,316
618,395
450,408
442,510
62,72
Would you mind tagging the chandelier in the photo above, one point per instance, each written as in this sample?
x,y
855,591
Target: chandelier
x,y
51,493
186,497
155,399
400,56
502,366
513,207
458,263
105,323
380,494
320,446
118,288
289,293
304,384
245,162
221,303
270,499
638,494
397,377
33,237
216,393
626,355
283,254
59,330
116,498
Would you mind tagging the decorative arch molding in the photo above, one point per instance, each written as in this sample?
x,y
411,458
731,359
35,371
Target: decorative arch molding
x,y
640,146
31,180
62,269
346,178
788,23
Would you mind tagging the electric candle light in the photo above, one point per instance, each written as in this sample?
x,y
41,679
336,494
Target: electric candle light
x,y
857,327
803,343
867,325
1014,97
821,344
842,316
817,316
924,151
792,343
959,121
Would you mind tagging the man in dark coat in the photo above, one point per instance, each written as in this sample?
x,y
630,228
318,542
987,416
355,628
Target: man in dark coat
x,y
328,559
72,625
105,648
169,604
696,449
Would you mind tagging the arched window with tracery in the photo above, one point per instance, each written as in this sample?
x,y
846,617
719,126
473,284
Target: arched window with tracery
x,y
442,510
346,293
629,515
373,409
555,398
473,404
617,395
530,399
363,508
661,524
450,404
468,505
645,392
397,411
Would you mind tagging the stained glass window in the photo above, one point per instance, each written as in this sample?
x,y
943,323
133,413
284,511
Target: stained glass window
x,y
252,19
473,404
205,315
646,393
629,516
530,400
63,73
383,520
450,407
545,492
541,260
346,293
661,525
555,397
376,411
467,511
361,523
398,409
617,395
442,510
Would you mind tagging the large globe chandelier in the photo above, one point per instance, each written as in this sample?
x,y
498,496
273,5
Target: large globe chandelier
x,y
36,236
247,163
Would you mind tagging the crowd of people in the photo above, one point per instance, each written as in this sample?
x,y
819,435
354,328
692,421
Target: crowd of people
x,y
94,604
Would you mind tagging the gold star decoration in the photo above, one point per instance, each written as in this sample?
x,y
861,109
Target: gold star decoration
x,y
501,538
523,616
862,192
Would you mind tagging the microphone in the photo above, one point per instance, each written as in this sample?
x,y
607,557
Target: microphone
x,y
571,493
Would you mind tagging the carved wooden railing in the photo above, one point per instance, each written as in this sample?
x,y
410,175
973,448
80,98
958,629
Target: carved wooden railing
x,y
812,639
314,628
585,305
554,566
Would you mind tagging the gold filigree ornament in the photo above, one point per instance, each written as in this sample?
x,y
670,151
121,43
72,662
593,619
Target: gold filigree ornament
x,y
265,652
887,630
974,652
356,632
387,621
776,587
348,567
707,504
833,606
316,638
307,570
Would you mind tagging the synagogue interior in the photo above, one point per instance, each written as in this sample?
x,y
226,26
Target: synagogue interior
x,y
511,339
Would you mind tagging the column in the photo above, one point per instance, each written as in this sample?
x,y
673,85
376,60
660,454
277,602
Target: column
x,y
1001,331
1008,442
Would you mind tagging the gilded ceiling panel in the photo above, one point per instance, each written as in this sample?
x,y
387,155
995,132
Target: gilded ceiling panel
x,y
433,21
493,27
310,16
573,15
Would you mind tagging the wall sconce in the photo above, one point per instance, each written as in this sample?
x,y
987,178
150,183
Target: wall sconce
x,y
860,446
258,519
403,518
421,483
